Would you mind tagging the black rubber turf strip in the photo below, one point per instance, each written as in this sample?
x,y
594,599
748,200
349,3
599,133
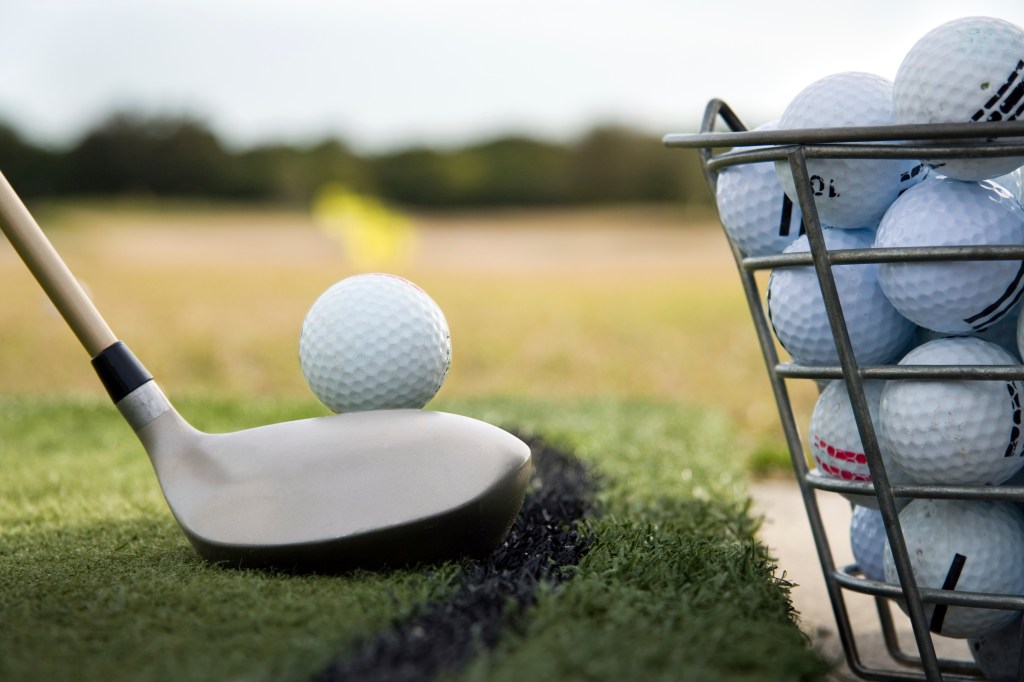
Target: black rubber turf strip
x,y
443,636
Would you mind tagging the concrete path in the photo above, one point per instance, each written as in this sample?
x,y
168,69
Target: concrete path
x,y
787,532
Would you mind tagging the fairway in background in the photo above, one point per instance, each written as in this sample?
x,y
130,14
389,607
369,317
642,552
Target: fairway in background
x,y
638,301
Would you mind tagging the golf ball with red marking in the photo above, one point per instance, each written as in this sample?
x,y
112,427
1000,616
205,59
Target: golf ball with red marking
x,y
836,445
374,342
964,432
966,70
963,546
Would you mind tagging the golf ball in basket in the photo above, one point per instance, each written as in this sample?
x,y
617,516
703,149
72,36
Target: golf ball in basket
x,y
373,342
759,217
1020,333
966,546
867,540
954,431
966,70
1003,333
998,654
953,296
1012,182
836,445
878,333
848,193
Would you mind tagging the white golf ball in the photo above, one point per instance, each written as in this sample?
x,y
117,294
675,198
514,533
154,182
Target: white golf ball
x,y
969,69
373,342
966,546
1003,333
953,296
878,333
954,431
1019,324
756,213
998,654
1012,182
848,193
867,540
836,445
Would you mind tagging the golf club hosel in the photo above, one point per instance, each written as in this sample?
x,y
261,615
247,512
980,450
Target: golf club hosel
x,y
142,406
130,385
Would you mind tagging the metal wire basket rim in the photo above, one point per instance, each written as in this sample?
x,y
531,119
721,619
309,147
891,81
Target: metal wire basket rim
x,y
935,491
929,132
791,370
911,151
846,576
891,254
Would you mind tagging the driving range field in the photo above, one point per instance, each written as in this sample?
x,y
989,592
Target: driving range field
x,y
617,337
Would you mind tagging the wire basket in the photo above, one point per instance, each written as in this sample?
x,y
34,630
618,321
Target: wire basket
x,y
721,149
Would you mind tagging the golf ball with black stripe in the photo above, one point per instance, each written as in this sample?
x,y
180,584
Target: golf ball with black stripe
x,y
953,296
968,69
966,546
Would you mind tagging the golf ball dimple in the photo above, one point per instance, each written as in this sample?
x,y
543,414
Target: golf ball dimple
x,y
954,431
759,217
966,546
1003,333
867,541
848,193
372,342
1012,182
967,70
998,654
835,442
953,296
878,333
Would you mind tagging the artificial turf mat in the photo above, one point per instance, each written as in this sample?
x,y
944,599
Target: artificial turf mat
x,y
98,583
544,544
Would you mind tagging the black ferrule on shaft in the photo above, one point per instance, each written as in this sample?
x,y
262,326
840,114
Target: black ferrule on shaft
x,y
120,371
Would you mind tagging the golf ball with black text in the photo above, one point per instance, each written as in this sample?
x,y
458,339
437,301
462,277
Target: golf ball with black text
x,y
373,342
848,193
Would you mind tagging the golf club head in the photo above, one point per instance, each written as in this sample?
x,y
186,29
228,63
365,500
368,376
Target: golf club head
x,y
363,489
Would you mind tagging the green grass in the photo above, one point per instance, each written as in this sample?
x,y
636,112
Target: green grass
x,y
98,583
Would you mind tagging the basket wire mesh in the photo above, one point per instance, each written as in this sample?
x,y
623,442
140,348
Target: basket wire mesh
x,y
721,149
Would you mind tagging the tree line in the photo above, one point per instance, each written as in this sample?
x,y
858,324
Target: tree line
x,y
130,154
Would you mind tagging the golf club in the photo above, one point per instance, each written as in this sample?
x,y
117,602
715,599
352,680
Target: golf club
x,y
363,489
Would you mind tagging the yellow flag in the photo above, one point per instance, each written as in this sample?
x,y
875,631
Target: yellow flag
x,y
372,236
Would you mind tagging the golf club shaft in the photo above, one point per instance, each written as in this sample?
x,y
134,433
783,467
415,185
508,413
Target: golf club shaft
x,y
53,275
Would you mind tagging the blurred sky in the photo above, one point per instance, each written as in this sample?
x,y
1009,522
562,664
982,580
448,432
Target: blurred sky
x,y
387,73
